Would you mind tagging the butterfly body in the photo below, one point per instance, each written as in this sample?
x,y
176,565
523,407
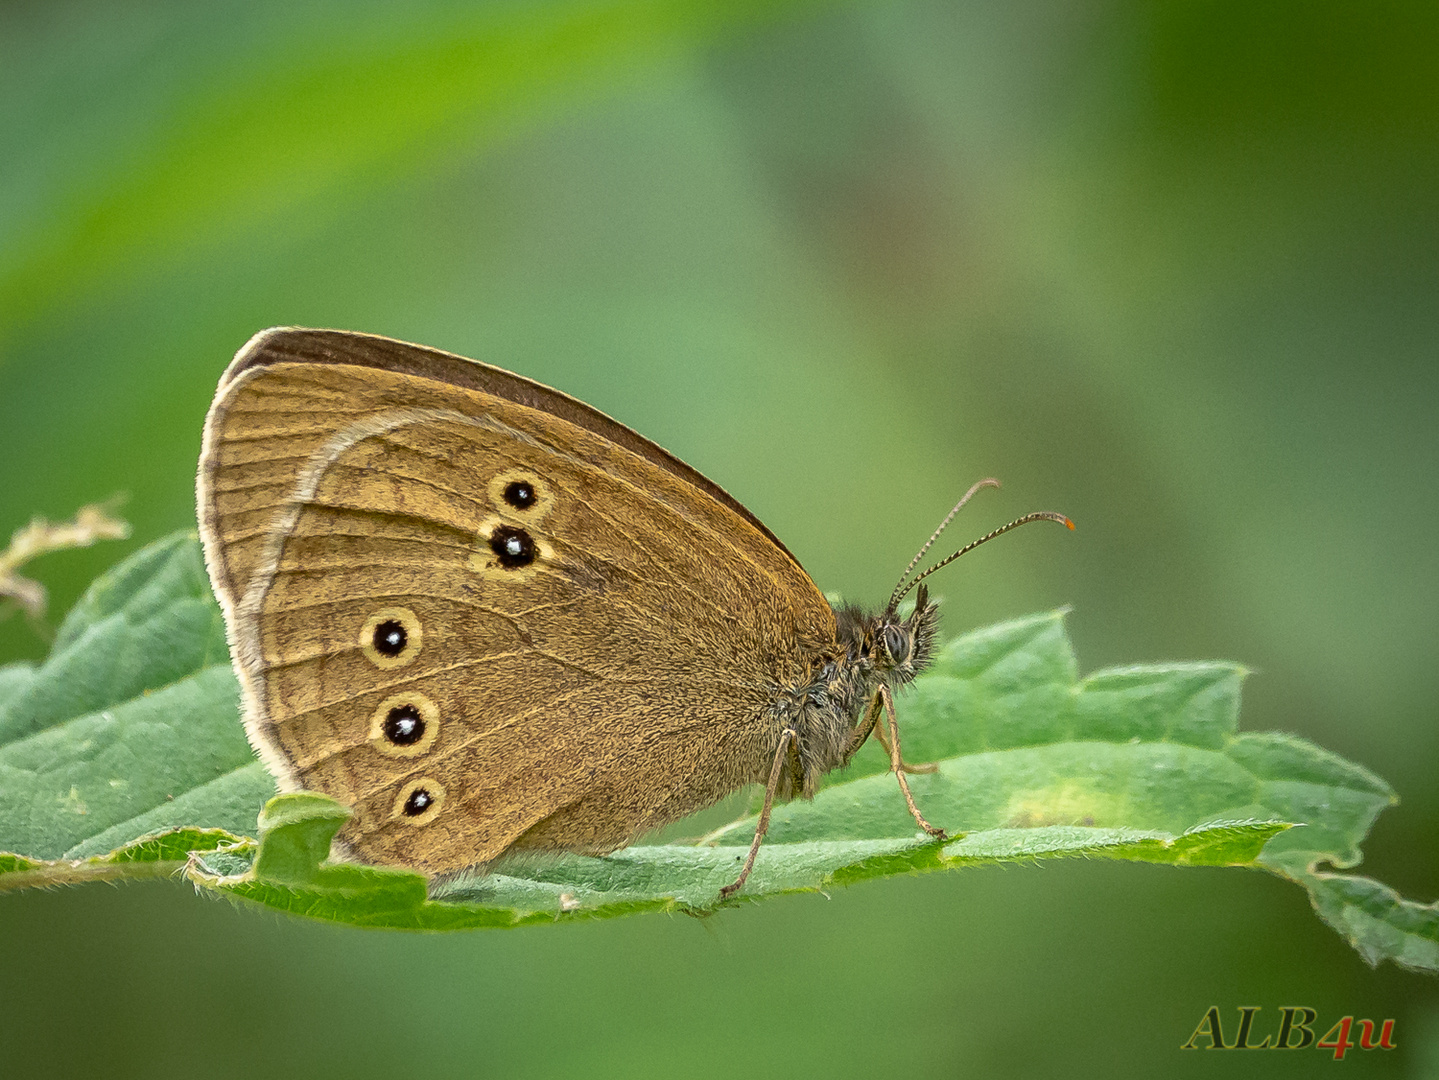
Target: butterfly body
x,y
490,619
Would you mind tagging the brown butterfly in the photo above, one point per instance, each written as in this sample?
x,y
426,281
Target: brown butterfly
x,y
490,619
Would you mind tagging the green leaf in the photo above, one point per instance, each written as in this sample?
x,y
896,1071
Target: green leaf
x,y
295,833
1378,921
1138,763
132,724
160,854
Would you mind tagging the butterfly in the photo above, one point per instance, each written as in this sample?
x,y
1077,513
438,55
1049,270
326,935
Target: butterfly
x,y
490,619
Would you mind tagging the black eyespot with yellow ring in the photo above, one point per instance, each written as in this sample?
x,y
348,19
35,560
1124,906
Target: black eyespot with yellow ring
x,y
513,546
405,725
391,637
419,802
521,494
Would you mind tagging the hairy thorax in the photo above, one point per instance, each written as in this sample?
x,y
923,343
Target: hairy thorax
x,y
833,713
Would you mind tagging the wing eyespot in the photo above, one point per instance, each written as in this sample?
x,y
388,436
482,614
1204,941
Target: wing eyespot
x,y
391,637
419,802
513,546
521,495
405,725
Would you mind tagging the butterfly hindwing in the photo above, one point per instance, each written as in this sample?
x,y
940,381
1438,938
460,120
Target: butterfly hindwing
x,y
589,641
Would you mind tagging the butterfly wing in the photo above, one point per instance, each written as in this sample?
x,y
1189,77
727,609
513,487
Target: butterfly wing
x,y
480,613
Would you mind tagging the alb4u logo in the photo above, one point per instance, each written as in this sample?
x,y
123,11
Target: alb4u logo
x,y
1296,1032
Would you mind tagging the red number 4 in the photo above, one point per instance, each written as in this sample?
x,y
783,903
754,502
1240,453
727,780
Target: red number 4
x,y
1337,1037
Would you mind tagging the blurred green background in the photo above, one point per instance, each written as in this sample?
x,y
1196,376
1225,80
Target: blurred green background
x,y
1169,268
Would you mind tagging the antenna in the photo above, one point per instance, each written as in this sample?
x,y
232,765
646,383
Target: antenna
x,y
902,589
896,596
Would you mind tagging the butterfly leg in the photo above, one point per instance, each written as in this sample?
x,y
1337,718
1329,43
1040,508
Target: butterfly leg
x,y
866,728
786,740
926,767
896,761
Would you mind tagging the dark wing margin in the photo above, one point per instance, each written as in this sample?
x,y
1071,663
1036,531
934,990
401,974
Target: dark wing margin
x,y
299,345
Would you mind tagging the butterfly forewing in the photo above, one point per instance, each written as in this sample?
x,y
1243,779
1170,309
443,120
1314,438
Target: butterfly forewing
x,y
481,624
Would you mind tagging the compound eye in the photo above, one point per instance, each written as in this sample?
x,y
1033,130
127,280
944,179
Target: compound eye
x,y
896,643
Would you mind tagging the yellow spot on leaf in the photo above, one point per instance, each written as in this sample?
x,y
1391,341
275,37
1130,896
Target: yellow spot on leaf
x,y
1067,803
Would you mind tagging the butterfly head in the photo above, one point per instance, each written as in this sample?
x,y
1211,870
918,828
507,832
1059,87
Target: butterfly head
x,y
902,645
